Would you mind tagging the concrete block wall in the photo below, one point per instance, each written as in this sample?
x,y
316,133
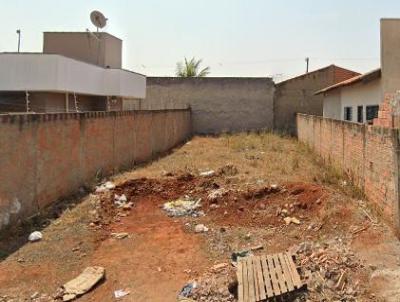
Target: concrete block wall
x,y
218,104
45,157
368,155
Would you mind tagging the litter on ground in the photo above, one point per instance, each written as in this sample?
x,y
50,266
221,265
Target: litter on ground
x,y
82,284
183,207
35,236
120,293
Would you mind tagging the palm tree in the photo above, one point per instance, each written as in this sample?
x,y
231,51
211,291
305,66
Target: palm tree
x,y
188,69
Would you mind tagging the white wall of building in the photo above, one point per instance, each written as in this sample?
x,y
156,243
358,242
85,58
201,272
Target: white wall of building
x,y
46,72
359,94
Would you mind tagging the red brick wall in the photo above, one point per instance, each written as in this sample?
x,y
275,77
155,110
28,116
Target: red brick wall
x,y
44,157
368,155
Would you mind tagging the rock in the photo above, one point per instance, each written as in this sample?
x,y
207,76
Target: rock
x,y
35,295
200,228
119,235
35,236
288,220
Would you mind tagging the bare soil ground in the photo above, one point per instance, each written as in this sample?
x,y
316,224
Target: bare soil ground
x,y
261,179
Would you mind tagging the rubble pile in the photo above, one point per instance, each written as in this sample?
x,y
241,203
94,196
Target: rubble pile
x,y
216,285
329,271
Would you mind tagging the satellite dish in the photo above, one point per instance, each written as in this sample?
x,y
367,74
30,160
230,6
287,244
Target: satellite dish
x,y
98,19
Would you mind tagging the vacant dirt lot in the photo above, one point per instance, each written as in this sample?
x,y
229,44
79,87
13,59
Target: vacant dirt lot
x,y
259,184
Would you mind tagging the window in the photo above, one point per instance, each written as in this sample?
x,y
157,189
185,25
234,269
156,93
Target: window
x,y
372,112
360,114
348,113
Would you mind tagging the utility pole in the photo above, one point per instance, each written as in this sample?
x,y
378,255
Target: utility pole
x,y
308,64
19,39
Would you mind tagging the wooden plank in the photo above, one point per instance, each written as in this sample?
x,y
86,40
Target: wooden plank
x,y
286,272
295,275
250,275
245,282
275,283
260,278
280,276
267,277
240,281
255,277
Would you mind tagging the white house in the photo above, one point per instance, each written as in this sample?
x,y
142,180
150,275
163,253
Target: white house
x,y
358,99
76,72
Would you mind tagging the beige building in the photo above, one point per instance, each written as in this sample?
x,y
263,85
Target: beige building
x,y
77,71
358,98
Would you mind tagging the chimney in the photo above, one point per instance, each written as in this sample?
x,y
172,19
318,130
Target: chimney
x,y
390,55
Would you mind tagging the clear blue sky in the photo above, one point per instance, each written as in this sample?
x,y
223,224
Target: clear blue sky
x,y
233,37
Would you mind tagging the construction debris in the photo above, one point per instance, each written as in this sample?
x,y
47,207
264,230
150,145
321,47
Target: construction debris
x,y
183,207
105,187
119,235
120,293
328,271
207,173
187,290
289,220
35,236
217,194
200,228
81,284
121,201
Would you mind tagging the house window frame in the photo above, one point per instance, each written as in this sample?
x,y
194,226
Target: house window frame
x,y
368,108
348,113
360,114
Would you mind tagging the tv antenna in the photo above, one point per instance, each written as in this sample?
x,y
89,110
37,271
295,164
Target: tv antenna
x,y
98,19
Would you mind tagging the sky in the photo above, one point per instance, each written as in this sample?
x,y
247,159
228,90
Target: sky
x,y
249,38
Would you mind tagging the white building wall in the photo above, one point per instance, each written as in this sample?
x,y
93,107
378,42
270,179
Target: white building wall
x,y
55,73
360,94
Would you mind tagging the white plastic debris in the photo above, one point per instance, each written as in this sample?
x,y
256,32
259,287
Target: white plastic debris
x,y
105,187
183,207
120,293
207,173
200,228
120,201
35,236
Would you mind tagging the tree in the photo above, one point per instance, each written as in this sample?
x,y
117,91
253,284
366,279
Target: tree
x,y
188,69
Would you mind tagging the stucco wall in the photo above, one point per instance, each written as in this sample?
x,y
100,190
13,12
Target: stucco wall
x,y
44,157
332,105
390,55
218,104
297,95
100,48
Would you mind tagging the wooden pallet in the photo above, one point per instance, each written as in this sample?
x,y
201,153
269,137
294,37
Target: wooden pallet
x,y
264,277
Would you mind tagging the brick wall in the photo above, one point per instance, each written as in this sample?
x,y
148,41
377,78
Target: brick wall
x,y
368,155
45,157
